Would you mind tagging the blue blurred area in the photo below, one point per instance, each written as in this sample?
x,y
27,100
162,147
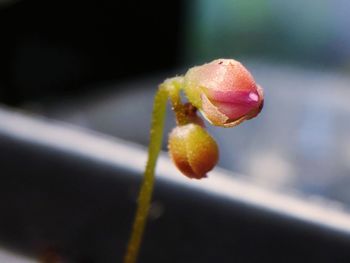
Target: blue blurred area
x,y
300,32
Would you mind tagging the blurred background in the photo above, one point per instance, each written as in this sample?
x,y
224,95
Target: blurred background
x,y
97,64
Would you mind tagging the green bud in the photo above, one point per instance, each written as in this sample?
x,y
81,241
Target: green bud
x,y
193,150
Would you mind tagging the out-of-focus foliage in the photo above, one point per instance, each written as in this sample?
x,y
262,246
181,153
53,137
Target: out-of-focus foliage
x,y
307,32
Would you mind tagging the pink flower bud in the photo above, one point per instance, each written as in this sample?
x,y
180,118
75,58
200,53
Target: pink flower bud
x,y
224,91
193,150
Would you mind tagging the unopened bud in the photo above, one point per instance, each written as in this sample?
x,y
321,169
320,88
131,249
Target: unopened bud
x,y
224,91
193,150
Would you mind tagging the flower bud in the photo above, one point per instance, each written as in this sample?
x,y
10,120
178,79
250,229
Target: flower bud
x,y
193,150
224,91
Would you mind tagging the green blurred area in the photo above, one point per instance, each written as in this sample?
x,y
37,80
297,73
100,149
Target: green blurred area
x,y
298,32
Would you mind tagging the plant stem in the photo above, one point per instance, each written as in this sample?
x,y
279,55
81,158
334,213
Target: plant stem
x,y
170,88
174,86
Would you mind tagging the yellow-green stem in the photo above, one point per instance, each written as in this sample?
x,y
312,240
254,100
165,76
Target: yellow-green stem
x,y
171,89
174,86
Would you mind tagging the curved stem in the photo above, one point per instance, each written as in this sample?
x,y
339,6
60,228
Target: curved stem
x,y
169,89
173,86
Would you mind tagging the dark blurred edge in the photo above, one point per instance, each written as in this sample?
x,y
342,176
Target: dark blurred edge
x,y
56,198
53,49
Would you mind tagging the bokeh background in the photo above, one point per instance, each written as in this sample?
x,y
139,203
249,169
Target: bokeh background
x,y
97,64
